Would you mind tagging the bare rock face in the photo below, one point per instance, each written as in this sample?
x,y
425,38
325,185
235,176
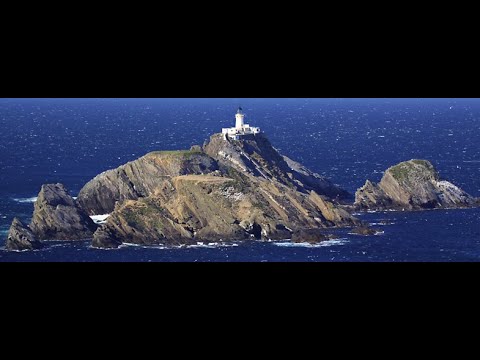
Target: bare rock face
x,y
411,185
141,178
255,155
56,216
106,238
21,238
372,196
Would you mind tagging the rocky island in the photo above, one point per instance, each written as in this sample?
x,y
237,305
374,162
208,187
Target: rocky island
x,y
412,185
236,186
226,190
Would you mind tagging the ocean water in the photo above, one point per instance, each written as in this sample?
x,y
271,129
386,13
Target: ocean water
x,y
349,140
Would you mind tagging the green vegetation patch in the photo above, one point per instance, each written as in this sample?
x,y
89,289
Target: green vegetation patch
x,y
239,181
144,214
403,170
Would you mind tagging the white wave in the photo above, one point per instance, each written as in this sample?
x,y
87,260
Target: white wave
x,y
26,200
210,245
100,219
159,246
308,245
376,233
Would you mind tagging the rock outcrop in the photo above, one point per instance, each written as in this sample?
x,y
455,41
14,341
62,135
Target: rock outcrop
x,y
311,236
235,190
192,208
411,185
56,216
141,178
364,230
21,238
256,156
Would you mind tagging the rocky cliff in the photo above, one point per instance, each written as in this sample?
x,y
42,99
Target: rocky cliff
x,y
214,207
411,185
140,178
21,238
233,190
56,216
256,156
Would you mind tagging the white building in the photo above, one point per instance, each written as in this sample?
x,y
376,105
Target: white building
x,y
240,128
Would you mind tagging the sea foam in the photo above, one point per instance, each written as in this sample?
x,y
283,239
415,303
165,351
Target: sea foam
x,y
308,245
26,200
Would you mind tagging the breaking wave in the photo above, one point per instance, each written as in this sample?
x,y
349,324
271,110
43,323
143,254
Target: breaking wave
x,y
308,245
26,200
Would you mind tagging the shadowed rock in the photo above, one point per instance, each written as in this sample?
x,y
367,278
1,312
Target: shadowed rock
x,y
21,238
364,230
311,236
56,216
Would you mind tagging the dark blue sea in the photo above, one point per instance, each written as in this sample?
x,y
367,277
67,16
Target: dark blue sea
x,y
349,140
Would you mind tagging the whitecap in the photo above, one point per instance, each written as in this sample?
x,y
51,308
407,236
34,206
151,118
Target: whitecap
x,y
376,233
26,200
308,245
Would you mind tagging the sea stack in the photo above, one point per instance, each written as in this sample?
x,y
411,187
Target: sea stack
x,y
412,185
21,238
56,216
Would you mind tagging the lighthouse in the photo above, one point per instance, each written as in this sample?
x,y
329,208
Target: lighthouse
x,y
239,117
241,129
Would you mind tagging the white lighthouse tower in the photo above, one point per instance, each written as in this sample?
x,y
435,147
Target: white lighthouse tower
x,y
241,129
239,117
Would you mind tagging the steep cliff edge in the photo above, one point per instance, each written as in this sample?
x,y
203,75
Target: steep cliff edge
x,y
56,216
255,155
411,185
